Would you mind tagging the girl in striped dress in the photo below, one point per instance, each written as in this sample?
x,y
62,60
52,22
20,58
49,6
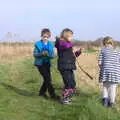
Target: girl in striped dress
x,y
109,63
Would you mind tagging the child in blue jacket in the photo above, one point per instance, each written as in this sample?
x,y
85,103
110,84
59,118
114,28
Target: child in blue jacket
x,y
43,53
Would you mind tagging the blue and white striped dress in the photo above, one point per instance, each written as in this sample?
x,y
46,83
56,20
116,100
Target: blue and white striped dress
x,y
110,65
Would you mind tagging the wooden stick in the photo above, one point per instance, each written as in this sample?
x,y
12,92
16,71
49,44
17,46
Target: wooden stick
x,y
82,68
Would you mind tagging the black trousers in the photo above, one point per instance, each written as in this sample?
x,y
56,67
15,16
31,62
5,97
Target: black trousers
x,y
68,78
47,81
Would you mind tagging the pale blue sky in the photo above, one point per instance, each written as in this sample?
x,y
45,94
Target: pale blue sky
x,y
89,19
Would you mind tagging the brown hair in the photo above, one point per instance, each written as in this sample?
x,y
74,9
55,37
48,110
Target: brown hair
x,y
45,31
108,40
66,30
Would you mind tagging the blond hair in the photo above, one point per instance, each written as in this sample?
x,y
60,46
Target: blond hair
x,y
108,40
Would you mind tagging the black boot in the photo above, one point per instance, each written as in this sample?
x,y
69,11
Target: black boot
x,y
105,102
111,104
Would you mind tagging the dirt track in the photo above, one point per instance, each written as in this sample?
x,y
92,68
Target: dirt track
x,y
88,62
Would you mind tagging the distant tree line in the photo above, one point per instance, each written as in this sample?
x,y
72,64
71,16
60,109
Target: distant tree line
x,y
89,44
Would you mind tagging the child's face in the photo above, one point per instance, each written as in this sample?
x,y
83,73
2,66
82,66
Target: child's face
x,y
68,36
107,45
45,37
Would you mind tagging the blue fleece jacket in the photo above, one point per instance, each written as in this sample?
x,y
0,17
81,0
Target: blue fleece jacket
x,y
39,48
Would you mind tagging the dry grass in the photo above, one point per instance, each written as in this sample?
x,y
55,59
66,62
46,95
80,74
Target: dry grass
x,y
11,52
88,62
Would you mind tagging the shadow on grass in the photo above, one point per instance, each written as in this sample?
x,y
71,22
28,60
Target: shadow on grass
x,y
18,91
85,94
79,94
30,82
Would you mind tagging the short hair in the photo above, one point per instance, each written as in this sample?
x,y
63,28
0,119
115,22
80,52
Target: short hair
x,y
108,40
45,31
66,30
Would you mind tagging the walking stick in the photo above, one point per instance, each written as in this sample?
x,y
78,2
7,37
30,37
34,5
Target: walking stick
x,y
83,69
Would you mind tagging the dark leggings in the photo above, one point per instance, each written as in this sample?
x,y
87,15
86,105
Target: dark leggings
x,y
47,81
68,79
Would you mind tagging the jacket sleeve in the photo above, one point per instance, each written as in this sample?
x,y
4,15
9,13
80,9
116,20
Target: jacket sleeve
x,y
37,53
57,42
78,53
51,50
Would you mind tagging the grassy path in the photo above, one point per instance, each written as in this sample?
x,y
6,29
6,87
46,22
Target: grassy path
x,y
19,98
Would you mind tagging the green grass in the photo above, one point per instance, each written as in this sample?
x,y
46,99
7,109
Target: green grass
x,y
19,100
91,50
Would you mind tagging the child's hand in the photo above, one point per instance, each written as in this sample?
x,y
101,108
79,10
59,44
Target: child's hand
x,y
45,53
82,49
77,51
